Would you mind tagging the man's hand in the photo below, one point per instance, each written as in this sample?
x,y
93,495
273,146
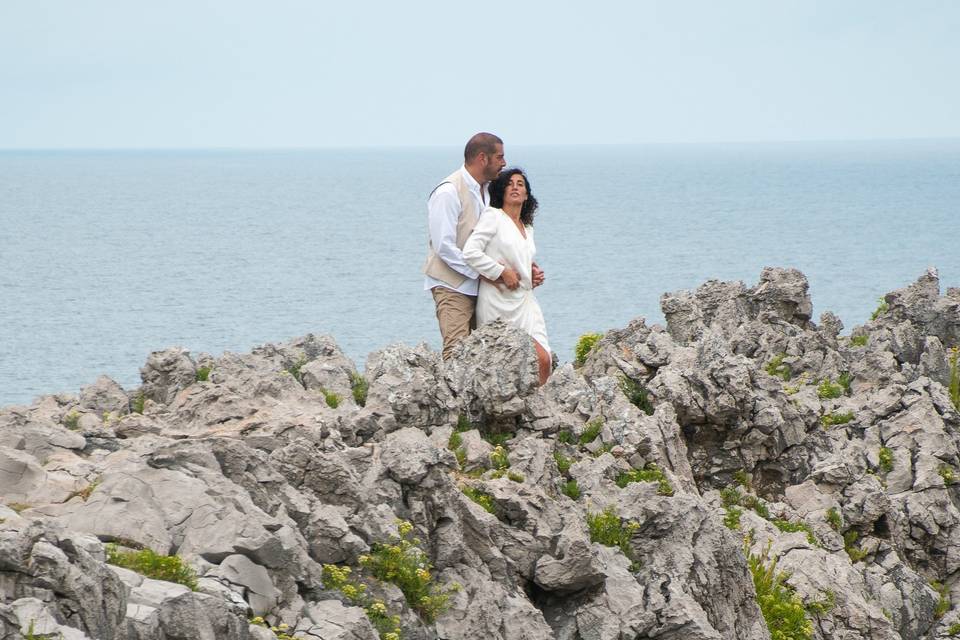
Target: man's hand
x,y
538,276
509,278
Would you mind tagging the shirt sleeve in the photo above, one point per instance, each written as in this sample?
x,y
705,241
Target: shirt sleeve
x,y
443,214
473,250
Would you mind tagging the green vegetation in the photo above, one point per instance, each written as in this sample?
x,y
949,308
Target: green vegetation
x,y
483,499
499,458
563,462
731,496
850,546
732,519
881,309
943,603
565,437
138,403
792,527
821,607
834,519
832,419
828,390
153,565
33,635
514,476
844,381
591,430
455,441
782,609
860,341
954,629
948,474
404,564
584,345
778,369
338,578
359,387
294,369
885,457
19,507
333,399
463,423
651,473
71,420
497,439
571,489
742,478
607,529
87,491
461,455
637,394
954,387
203,373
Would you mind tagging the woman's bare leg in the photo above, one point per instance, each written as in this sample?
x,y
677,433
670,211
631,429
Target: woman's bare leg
x,y
543,361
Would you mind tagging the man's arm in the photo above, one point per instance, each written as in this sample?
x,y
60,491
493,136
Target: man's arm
x,y
443,214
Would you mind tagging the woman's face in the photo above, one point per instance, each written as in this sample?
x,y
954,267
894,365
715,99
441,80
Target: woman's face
x,y
516,192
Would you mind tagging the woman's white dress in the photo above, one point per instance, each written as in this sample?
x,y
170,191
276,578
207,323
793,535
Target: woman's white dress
x,y
496,241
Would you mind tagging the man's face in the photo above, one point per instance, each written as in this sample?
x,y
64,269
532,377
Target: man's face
x,y
494,163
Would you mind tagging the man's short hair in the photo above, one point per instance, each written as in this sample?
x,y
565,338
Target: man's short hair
x,y
481,143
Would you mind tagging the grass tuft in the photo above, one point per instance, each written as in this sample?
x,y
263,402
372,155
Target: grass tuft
x,y
482,498
637,394
778,368
881,309
834,519
860,341
885,457
571,489
153,565
332,399
782,608
607,529
833,419
585,345
954,387
591,430
71,420
359,387
203,374
828,390
563,462
651,473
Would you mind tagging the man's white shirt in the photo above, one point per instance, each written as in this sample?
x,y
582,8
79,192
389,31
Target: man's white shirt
x,y
443,213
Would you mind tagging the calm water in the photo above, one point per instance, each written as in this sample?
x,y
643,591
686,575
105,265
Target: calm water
x,y
106,256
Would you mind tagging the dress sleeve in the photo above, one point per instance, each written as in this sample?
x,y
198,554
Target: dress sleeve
x,y
476,245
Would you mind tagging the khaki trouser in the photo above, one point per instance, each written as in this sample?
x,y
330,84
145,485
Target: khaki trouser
x,y
455,315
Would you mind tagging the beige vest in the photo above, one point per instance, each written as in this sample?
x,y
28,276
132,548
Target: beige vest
x,y
435,267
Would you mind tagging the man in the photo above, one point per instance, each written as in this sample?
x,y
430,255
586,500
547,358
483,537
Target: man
x,y
452,212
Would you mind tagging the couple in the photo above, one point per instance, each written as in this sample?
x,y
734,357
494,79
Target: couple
x,y
480,259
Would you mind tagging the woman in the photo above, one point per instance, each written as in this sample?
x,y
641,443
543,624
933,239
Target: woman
x,y
501,249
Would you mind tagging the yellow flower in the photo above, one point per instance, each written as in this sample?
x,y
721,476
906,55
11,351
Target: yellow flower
x,y
379,608
391,636
283,626
423,574
404,528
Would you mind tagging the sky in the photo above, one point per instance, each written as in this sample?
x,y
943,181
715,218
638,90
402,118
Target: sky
x,y
298,73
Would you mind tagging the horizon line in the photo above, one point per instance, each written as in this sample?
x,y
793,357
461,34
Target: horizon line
x,y
522,145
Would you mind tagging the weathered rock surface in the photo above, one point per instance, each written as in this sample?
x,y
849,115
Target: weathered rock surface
x,y
836,455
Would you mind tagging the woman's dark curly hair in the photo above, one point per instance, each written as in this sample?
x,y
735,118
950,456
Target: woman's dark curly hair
x,y
499,187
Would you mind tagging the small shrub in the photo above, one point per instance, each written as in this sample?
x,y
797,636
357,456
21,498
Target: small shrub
x,y
828,390
885,457
565,437
153,565
571,489
860,341
338,578
404,564
948,474
651,473
732,519
834,519
463,423
880,310
359,387
607,529
455,441
499,458
514,476
584,345
497,439
294,369
778,369
332,399
943,603
823,606
731,496
71,420
563,462
742,478
850,546
591,431
833,419
483,499
203,373
792,527
138,403
954,629
844,380
954,387
782,609
637,394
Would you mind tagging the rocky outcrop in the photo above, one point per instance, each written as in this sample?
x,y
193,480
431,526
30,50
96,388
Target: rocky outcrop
x,y
626,498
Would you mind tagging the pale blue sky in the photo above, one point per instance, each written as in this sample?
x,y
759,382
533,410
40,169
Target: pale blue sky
x,y
293,73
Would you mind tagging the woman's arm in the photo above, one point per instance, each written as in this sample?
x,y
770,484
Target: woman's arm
x,y
473,250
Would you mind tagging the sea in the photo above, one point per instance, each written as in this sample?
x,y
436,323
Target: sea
x,y
106,256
